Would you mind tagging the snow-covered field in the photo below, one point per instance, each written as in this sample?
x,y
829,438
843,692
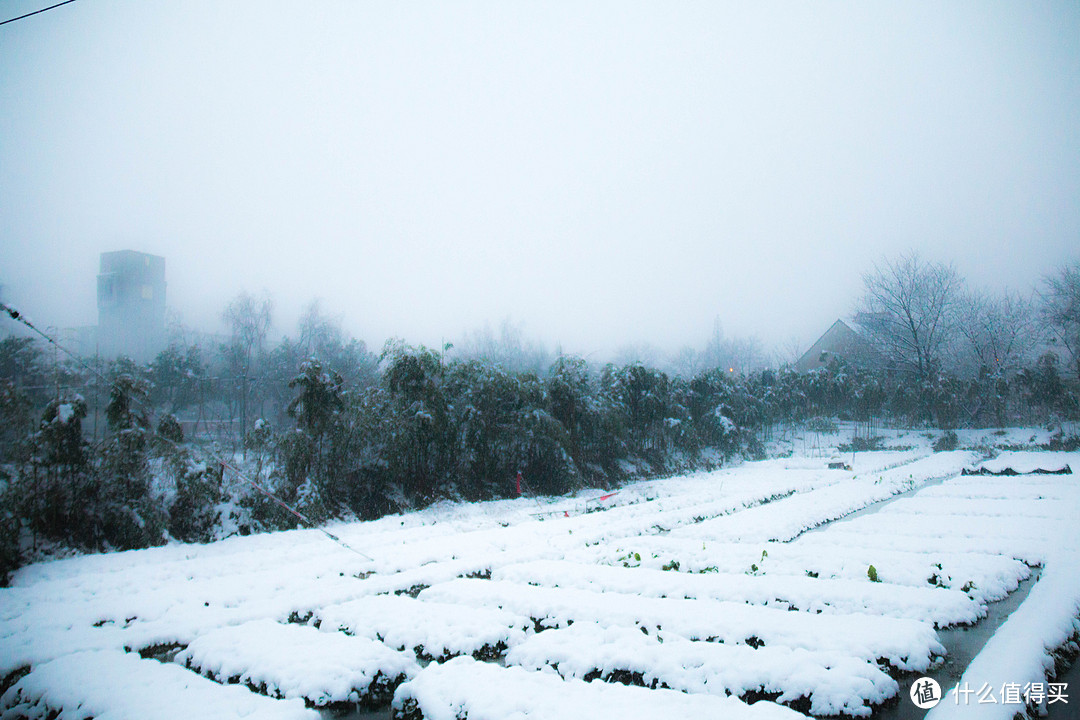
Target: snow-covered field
x,y
757,584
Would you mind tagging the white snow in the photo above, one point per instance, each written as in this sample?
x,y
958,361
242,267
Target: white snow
x,y
1029,462
938,605
752,560
64,412
463,688
787,518
835,682
431,628
298,661
110,685
991,577
1019,652
906,644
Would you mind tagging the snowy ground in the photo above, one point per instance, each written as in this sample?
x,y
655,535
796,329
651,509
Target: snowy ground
x,y
707,590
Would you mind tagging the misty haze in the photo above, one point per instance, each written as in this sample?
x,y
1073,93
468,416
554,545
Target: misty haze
x,y
498,360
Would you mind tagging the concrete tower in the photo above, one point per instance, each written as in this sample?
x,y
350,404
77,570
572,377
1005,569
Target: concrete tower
x,y
131,305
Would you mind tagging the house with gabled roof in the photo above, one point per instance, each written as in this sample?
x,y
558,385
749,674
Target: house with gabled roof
x,y
848,340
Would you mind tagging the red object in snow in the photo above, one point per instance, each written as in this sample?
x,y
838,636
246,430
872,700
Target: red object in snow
x,y
519,483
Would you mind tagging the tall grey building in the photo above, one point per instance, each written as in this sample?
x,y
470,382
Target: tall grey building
x,y
131,305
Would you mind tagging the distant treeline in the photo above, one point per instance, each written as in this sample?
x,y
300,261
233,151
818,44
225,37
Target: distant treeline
x,y
114,455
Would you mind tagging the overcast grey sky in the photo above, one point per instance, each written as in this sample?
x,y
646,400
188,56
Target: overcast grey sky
x,y
603,172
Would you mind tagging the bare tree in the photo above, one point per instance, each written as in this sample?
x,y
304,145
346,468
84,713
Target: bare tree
x,y
1060,309
789,352
643,353
249,320
320,334
909,306
686,362
734,354
999,331
510,350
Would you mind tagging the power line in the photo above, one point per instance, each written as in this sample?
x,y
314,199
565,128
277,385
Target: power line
x,y
36,12
20,318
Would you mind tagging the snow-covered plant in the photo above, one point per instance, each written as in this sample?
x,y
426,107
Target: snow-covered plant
x,y
948,441
193,514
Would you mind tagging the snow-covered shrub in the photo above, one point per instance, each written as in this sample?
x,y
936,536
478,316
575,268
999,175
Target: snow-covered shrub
x,y
259,444
169,430
55,480
947,442
296,451
10,526
862,444
193,514
129,517
265,514
822,425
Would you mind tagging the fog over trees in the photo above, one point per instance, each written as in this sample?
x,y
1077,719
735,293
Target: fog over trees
x,y
1060,304
210,438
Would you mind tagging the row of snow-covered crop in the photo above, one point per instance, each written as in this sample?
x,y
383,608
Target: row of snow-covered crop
x,y
703,590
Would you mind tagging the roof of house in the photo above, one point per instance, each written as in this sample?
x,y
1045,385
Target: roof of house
x,y
848,339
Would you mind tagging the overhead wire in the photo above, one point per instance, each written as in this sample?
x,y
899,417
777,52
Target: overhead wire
x,y
20,318
36,12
